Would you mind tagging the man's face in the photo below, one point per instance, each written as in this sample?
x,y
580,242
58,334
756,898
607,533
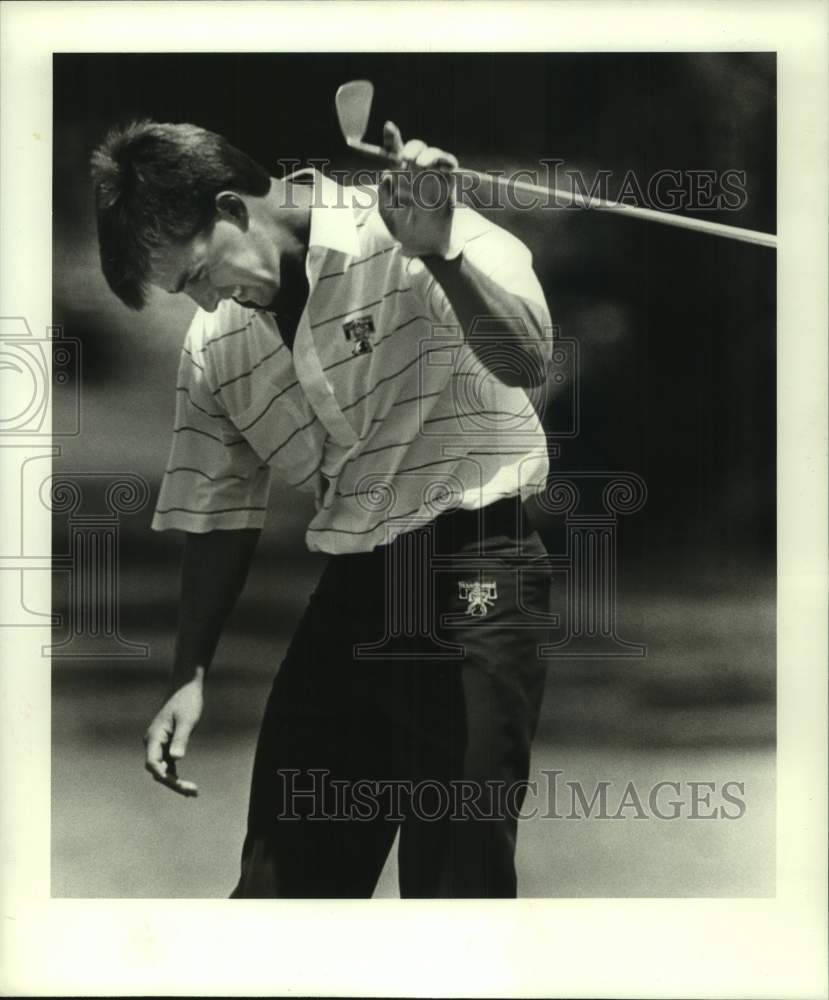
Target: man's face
x,y
232,260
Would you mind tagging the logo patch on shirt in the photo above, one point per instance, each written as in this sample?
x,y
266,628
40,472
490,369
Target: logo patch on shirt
x,y
480,595
360,330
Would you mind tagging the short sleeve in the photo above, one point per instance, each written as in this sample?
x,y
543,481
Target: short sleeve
x,y
213,479
506,261
497,253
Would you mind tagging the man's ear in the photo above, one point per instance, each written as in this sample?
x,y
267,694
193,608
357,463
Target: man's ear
x,y
233,208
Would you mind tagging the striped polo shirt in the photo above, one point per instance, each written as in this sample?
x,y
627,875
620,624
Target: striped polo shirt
x,y
380,409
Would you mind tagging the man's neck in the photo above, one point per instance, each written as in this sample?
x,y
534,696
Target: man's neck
x,y
289,208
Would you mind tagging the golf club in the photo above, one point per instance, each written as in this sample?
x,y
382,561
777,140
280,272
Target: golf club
x,y
353,102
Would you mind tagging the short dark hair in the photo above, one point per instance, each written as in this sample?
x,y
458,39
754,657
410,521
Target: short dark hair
x,y
155,184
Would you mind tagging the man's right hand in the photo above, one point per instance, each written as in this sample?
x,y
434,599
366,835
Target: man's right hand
x,y
213,572
167,735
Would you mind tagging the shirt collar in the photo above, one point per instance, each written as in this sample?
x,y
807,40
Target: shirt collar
x,y
332,215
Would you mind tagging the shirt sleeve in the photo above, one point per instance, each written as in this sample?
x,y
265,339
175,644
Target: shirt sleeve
x,y
213,479
507,262
497,253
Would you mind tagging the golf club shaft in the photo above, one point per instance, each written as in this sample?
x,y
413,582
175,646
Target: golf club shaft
x,y
558,198
353,102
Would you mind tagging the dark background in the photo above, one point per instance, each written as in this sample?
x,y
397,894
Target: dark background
x,y
676,340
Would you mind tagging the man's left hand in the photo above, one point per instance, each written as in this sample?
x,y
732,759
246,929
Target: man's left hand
x,y
417,201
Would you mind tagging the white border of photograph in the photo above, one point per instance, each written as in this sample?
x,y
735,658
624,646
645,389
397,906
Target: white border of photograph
x,y
568,948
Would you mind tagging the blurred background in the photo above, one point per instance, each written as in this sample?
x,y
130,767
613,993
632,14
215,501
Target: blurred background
x,y
675,335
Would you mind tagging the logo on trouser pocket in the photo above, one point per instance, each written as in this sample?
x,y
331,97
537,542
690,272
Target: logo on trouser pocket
x,y
480,595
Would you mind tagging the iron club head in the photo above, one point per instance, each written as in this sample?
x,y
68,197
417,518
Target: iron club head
x,y
353,103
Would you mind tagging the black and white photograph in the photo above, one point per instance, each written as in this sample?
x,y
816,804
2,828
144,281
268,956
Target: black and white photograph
x,y
411,439
340,394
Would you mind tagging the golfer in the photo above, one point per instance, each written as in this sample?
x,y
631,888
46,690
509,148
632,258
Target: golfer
x,y
377,347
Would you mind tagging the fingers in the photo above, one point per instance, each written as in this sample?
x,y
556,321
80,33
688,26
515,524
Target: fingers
x,y
430,158
415,151
178,744
188,789
160,760
432,166
416,196
392,140
165,774
154,740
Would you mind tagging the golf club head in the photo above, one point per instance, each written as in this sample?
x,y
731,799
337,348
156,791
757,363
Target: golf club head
x,y
353,103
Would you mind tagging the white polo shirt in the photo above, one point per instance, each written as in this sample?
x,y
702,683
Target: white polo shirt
x,y
381,410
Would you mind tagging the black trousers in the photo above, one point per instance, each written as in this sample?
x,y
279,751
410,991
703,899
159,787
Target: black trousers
x,y
408,699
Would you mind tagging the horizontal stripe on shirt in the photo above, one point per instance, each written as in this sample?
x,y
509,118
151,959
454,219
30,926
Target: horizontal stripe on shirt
x,y
326,416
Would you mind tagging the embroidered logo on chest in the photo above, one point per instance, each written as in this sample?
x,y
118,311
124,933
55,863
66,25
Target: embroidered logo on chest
x,y
480,595
360,330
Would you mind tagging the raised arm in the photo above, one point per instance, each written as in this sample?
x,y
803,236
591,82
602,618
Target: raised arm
x,y
505,330
489,283
213,572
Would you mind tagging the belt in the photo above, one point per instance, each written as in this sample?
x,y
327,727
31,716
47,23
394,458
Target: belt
x,y
457,528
